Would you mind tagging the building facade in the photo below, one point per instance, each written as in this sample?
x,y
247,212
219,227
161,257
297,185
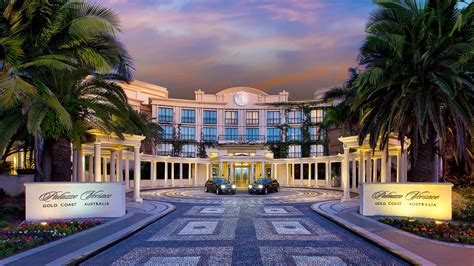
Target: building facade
x,y
238,122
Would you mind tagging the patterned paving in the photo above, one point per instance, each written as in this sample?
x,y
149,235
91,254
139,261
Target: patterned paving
x,y
250,232
197,195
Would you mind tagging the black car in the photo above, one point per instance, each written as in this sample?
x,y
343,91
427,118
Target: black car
x,y
264,185
220,186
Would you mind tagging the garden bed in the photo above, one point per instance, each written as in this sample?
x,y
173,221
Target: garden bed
x,y
443,231
29,235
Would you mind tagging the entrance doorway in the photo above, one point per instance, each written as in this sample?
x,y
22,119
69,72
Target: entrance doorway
x,y
241,176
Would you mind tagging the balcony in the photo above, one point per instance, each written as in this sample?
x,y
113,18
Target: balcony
x,y
294,155
273,138
252,121
317,120
231,121
241,138
164,153
188,154
165,118
273,121
209,138
210,121
187,137
294,137
295,120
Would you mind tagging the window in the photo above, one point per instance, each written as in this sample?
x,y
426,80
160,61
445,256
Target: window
x,y
167,133
209,134
209,117
231,117
189,150
314,133
231,134
317,116
294,134
188,116
317,150
273,134
164,149
294,151
252,134
252,118
188,133
273,117
165,115
295,117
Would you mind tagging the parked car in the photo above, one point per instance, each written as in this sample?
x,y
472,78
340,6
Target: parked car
x,y
264,186
220,186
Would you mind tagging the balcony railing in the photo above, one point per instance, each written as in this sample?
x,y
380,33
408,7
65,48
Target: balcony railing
x,y
188,154
164,153
209,138
295,120
294,138
317,120
241,138
252,121
273,121
165,118
273,138
314,137
211,121
188,137
231,121
316,154
166,136
294,155
188,119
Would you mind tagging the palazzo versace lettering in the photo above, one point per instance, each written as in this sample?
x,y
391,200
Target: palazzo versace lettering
x,y
413,195
60,195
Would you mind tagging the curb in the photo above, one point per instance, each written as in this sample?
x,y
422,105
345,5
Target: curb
x,y
392,248
131,230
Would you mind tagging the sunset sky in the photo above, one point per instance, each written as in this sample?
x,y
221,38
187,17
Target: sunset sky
x,y
297,45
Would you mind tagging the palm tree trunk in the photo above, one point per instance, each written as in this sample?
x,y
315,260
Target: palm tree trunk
x,y
423,163
61,165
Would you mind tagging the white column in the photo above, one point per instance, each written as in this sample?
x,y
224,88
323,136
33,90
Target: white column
x,y
231,176
293,174
309,175
113,160
91,168
389,168
345,175
97,156
75,178
189,174
301,175
137,175
181,174
328,174
354,168
262,173
207,170
374,174
80,166
221,165
287,175
166,174
404,166
316,177
119,174
127,174
383,165
104,170
275,171
252,172
369,167
362,167
399,160
196,180
172,174
153,173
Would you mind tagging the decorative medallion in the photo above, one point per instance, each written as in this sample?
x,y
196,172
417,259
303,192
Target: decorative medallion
x,y
241,98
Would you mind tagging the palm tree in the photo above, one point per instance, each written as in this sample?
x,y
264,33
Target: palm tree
x,y
339,115
418,55
49,44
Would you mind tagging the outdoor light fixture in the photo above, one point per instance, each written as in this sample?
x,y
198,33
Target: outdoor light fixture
x,y
438,222
44,223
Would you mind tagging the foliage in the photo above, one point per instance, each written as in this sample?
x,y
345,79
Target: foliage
x,y
449,232
464,181
176,142
29,235
417,82
463,204
279,149
202,153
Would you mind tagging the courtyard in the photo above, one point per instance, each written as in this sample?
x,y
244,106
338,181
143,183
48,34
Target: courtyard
x,y
278,228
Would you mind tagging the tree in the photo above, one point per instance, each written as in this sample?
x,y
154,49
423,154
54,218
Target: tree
x,y
48,44
417,57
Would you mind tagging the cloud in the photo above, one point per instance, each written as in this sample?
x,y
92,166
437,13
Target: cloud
x,y
298,45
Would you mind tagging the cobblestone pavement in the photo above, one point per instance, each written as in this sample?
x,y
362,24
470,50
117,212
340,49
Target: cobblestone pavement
x,y
243,229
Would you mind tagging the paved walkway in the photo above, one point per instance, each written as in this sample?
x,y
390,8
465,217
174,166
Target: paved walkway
x,y
248,231
416,249
72,249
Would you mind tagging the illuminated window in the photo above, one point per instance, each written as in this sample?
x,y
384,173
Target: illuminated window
x,y
231,117
273,117
294,151
295,117
252,118
317,116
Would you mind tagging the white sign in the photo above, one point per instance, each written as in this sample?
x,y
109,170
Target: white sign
x,y
64,200
422,200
